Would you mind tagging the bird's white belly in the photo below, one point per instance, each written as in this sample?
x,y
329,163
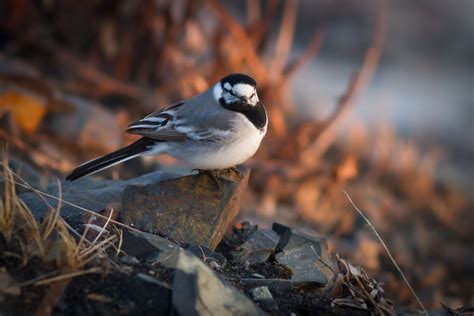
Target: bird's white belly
x,y
221,155
229,155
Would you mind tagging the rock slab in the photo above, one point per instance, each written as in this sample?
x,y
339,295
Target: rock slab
x,y
198,291
94,195
151,248
258,248
307,257
194,209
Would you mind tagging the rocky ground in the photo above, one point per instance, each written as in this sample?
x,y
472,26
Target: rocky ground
x,y
184,257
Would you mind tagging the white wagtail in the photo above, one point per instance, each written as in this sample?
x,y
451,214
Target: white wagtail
x,y
217,129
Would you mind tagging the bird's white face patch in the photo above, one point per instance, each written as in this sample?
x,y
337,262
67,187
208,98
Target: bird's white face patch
x,y
217,92
236,93
247,92
243,90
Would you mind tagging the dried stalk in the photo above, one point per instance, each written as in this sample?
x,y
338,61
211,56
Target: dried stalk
x,y
73,205
388,252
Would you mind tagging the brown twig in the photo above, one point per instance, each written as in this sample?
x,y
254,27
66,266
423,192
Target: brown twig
x,y
310,156
254,13
52,297
284,41
309,54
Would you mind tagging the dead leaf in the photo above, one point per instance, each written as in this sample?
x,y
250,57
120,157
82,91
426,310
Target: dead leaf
x,y
27,109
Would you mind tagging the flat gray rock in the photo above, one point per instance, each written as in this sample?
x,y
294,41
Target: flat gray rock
x,y
151,248
198,291
263,296
94,195
258,248
307,257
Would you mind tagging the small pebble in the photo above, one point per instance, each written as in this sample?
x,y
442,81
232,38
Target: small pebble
x,y
257,276
131,260
261,293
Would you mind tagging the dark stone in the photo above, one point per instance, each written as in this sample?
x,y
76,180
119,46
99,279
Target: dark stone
x,y
263,296
130,260
197,290
151,248
28,173
206,254
307,257
194,209
284,232
87,193
258,248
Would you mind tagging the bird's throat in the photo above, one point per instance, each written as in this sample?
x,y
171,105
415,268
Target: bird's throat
x,y
255,114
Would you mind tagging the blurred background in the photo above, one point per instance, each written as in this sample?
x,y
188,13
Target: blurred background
x,y
371,97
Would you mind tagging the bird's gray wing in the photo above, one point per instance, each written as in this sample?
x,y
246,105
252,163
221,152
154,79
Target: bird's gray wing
x,y
191,120
158,125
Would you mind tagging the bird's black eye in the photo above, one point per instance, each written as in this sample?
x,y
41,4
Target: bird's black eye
x,y
252,96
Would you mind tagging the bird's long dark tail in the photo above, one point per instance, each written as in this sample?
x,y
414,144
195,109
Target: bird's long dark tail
x,y
128,152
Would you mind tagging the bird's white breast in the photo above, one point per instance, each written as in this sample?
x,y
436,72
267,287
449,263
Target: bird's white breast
x,y
240,145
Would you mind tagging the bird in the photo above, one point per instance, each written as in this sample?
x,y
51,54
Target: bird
x,y
217,129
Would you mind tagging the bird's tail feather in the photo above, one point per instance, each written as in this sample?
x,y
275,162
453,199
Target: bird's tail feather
x,y
128,152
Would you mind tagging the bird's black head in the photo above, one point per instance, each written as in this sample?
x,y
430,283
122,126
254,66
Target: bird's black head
x,y
238,93
236,89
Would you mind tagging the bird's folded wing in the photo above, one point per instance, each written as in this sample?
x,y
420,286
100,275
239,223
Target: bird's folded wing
x,y
178,124
160,125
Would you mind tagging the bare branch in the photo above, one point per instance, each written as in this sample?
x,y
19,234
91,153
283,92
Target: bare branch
x,y
285,39
242,38
310,52
311,155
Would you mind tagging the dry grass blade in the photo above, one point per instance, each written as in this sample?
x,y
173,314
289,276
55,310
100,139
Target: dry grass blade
x,y
388,252
104,227
44,194
50,242
52,297
15,218
6,209
95,247
53,216
67,276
